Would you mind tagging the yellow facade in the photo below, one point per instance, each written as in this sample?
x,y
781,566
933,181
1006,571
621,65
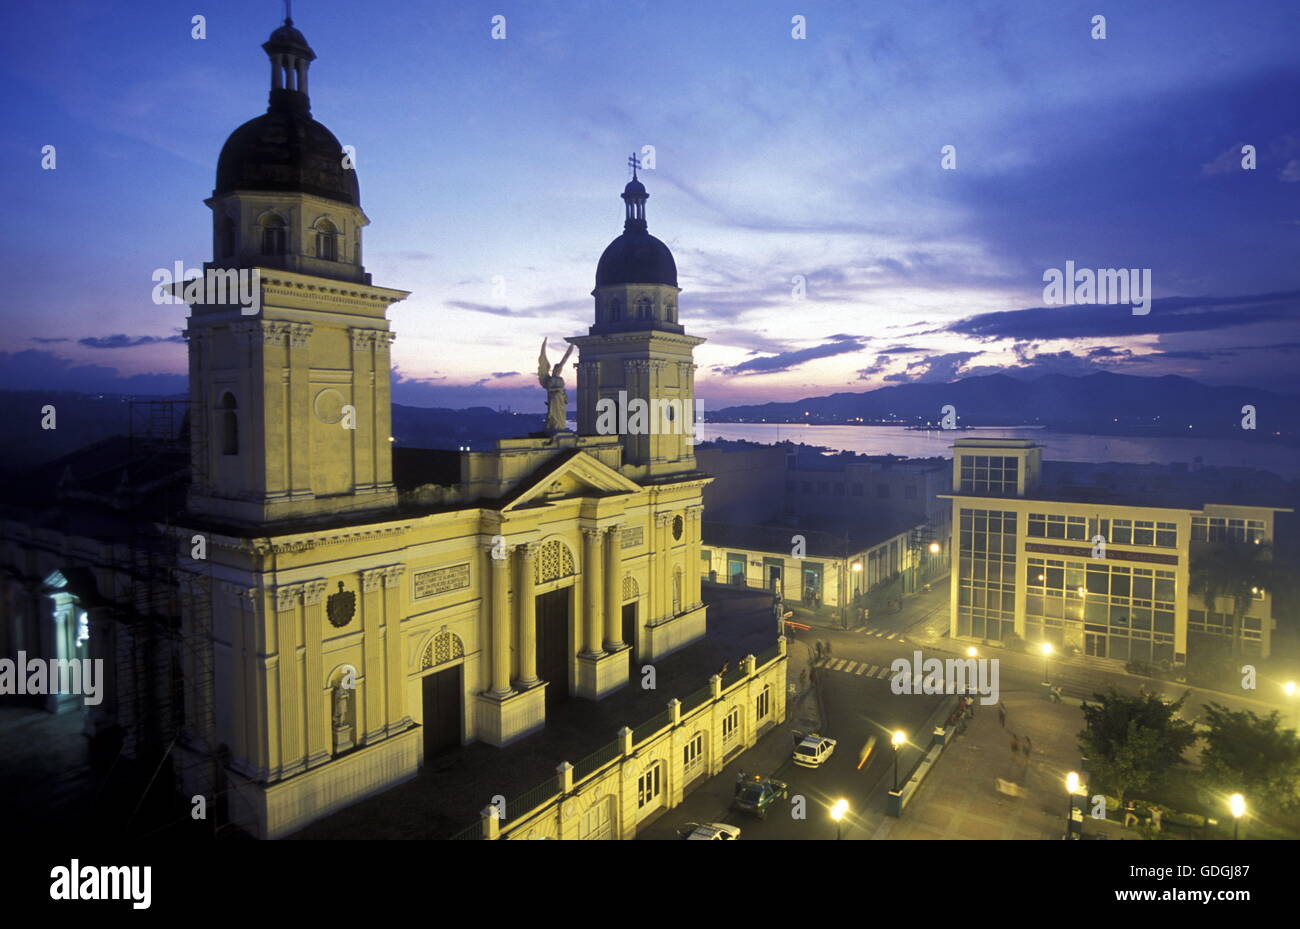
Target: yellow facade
x,y
352,631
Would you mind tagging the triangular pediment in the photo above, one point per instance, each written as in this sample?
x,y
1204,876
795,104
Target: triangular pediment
x,y
577,475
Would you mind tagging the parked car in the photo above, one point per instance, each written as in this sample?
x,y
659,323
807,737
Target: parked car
x,y
813,750
709,832
755,793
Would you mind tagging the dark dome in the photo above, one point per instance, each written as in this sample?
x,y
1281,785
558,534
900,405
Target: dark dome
x,y
285,150
287,35
636,258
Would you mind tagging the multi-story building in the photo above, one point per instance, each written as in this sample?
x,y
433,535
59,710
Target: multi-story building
x,y
321,614
1098,558
802,522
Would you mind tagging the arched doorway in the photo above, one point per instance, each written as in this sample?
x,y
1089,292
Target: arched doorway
x,y
443,693
553,573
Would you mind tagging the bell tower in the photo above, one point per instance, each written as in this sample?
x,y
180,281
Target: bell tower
x,y
636,371
290,393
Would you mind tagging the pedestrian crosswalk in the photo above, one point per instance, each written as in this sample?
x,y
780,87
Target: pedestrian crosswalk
x,y
860,668
881,634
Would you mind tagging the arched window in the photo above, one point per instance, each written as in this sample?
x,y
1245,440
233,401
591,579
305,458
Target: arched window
x,y
615,310
670,310
229,424
274,235
643,308
327,241
227,233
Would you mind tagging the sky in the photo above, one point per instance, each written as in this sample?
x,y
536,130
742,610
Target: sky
x,y
491,171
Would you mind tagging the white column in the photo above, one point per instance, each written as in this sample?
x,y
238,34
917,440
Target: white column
x,y
500,614
593,605
613,589
527,611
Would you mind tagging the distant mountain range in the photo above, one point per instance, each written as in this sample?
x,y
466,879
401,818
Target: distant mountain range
x,y
1100,403
1103,404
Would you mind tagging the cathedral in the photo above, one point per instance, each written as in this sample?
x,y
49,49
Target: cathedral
x,y
348,609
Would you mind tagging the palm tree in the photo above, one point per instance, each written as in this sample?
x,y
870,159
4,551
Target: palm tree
x,y
1237,570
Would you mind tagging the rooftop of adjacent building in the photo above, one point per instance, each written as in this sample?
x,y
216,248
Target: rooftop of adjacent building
x,y
1177,485
825,535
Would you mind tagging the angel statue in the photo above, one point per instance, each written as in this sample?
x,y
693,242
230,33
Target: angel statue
x,y
557,399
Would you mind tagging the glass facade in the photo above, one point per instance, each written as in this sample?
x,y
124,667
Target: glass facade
x,y
1222,529
1126,612
1208,622
994,475
986,594
1119,531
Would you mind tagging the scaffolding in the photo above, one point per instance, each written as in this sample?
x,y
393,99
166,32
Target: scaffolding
x,y
164,660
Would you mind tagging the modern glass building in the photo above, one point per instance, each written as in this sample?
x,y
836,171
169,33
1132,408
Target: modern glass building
x,y
1098,558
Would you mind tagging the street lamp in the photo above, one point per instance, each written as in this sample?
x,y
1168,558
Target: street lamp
x,y
1237,803
1289,689
934,548
971,652
897,739
837,813
1047,654
1071,788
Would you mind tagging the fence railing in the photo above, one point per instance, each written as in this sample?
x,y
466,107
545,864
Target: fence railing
x,y
696,700
529,801
651,726
472,832
597,760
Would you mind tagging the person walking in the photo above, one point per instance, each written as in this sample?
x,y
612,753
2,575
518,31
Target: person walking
x,y
1015,744
1002,716
1156,814
1029,747
828,648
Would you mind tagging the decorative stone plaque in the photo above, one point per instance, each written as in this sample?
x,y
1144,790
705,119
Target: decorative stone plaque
x,y
439,581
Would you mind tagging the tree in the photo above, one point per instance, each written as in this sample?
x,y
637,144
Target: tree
x,y
1132,741
1253,755
1234,570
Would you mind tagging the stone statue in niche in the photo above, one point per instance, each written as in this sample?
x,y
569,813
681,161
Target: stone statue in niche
x,y
344,730
557,398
